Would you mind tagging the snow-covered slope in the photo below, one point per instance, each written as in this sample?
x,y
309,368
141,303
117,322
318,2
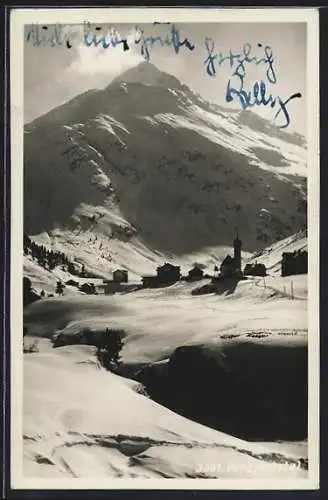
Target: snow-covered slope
x,y
158,321
77,424
85,430
220,127
271,256
102,255
139,173
172,312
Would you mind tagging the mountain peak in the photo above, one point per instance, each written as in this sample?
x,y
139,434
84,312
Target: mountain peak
x,y
147,73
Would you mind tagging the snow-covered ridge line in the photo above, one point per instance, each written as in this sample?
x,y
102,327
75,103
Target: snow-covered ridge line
x,y
226,132
108,122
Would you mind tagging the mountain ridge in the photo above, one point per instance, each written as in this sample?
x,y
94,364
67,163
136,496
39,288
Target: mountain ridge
x,y
146,73
140,74
181,171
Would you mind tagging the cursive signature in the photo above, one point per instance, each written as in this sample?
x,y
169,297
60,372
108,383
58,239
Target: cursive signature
x,y
259,94
105,37
170,39
214,60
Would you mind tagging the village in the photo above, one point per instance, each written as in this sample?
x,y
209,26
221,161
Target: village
x,y
229,269
223,278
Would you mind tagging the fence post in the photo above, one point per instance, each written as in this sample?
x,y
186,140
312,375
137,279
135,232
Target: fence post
x,y
292,289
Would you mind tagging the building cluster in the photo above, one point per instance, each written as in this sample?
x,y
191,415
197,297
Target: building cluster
x,y
294,263
165,275
168,274
255,270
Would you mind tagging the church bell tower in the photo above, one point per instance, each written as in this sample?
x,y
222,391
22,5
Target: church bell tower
x,y
237,251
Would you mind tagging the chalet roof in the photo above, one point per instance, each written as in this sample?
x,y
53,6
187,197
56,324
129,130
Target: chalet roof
x,y
196,268
167,265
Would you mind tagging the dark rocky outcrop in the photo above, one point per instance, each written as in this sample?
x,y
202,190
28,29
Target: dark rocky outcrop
x,y
252,390
29,295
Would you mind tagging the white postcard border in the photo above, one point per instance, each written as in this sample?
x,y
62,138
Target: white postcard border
x,y
20,17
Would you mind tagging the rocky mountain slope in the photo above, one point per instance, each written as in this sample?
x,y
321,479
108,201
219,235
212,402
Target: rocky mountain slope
x,y
147,161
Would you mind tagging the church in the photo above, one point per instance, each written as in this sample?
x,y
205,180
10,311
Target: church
x,y
231,266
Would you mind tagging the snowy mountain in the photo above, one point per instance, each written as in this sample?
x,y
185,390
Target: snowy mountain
x,y
145,168
142,172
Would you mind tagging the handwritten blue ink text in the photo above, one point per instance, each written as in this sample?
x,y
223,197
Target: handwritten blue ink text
x,y
259,94
170,39
104,40
51,36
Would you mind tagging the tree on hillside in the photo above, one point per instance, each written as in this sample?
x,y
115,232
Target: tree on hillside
x,y
27,285
60,288
26,243
48,259
71,268
109,348
27,290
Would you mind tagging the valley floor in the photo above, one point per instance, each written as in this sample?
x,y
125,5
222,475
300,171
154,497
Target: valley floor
x,y
159,320
83,421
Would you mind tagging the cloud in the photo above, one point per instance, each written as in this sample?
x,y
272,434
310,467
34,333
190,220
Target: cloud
x,y
53,75
105,63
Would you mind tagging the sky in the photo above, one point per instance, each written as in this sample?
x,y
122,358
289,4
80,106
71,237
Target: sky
x,y
53,75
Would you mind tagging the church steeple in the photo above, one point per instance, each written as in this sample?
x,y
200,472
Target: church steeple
x,y
237,250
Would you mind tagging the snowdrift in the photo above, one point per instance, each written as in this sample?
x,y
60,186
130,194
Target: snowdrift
x,y
245,375
76,425
158,321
